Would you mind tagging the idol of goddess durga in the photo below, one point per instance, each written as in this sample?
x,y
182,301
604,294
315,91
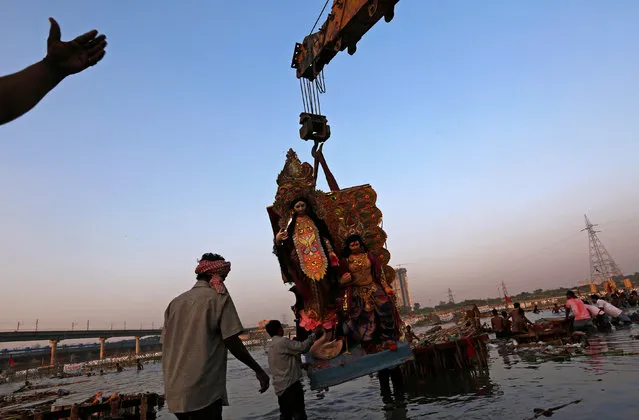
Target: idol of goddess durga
x,y
305,252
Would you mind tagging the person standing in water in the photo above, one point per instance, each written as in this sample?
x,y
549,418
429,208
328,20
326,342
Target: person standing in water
x,y
284,361
519,321
411,337
200,325
580,318
616,315
497,322
507,323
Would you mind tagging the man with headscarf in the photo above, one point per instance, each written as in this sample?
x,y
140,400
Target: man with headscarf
x,y
200,326
21,91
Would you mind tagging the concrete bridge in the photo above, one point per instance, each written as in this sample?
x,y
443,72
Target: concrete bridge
x,y
54,337
16,336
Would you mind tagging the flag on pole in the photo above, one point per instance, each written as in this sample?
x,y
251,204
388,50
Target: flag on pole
x,y
11,362
508,300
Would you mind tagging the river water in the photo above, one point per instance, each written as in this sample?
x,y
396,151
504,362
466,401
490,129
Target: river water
x,y
604,376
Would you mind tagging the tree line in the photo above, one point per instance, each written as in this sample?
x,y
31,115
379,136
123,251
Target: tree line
x,y
538,294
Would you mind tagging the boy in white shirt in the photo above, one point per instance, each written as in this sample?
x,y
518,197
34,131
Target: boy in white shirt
x,y
285,363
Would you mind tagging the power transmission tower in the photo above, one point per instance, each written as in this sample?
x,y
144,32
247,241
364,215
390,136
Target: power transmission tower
x,y
451,298
602,266
503,288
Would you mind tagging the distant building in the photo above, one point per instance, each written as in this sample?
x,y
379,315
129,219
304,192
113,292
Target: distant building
x,y
400,285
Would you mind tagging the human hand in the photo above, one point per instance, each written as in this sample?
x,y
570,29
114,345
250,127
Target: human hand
x,y
282,235
264,380
72,57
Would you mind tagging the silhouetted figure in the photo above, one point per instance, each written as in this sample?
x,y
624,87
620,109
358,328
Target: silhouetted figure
x,y
21,91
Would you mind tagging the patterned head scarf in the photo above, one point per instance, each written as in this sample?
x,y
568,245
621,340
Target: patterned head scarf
x,y
219,267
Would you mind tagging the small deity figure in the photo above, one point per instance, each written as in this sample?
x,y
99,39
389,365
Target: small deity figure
x,y
370,312
305,253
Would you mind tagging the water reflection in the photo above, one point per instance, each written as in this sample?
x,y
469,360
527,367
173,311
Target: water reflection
x,y
505,353
450,388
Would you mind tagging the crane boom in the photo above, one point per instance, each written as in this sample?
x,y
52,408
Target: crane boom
x,y
345,25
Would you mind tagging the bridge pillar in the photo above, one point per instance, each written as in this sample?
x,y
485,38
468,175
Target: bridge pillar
x,y
102,340
137,346
53,343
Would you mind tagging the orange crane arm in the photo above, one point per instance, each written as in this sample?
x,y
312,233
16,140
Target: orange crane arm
x,y
345,25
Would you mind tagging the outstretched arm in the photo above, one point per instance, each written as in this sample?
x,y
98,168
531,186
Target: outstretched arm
x,y
231,328
21,91
237,349
300,347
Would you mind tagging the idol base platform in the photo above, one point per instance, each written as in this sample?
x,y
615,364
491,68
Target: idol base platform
x,y
346,367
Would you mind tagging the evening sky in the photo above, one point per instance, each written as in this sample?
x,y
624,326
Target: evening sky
x,y
487,129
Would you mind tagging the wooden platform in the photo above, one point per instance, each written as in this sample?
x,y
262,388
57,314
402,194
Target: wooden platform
x,y
455,355
346,367
140,407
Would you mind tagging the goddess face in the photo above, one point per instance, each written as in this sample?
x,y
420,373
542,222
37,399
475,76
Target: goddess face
x,y
300,207
355,247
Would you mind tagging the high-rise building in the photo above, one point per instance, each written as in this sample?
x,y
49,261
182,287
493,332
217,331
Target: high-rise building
x,y
400,285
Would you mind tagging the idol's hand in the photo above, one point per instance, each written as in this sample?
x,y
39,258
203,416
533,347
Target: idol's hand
x,y
333,258
390,292
345,279
281,236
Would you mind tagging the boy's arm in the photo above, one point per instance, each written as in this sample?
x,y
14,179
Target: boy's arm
x,y
294,347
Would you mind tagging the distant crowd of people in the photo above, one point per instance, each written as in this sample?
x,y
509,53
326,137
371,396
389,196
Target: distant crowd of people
x,y
508,323
598,312
582,314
